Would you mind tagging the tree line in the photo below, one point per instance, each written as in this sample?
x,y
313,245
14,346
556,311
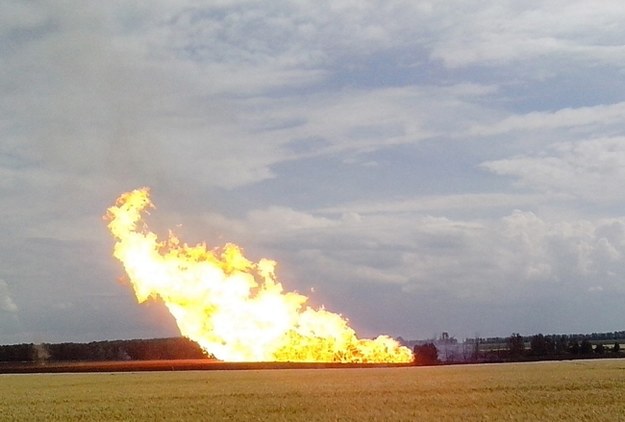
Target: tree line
x,y
444,350
138,349
560,346
517,348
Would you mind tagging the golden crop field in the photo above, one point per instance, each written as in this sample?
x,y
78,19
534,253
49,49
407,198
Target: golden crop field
x,y
572,391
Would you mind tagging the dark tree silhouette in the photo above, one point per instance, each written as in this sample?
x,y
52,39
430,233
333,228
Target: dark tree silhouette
x,y
516,345
561,345
426,354
585,348
166,348
541,345
17,352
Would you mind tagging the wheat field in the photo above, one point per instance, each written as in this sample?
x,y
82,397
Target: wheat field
x,y
575,390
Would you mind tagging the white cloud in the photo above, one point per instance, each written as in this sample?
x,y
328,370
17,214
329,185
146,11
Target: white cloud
x,y
150,94
442,204
183,91
591,170
582,119
499,33
352,121
284,219
492,260
263,46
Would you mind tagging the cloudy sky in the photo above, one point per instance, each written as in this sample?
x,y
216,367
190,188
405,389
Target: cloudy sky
x,y
422,166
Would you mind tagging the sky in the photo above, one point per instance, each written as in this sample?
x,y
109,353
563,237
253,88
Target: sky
x,y
416,166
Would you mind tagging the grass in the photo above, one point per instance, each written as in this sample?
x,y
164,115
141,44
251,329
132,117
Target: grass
x,y
579,390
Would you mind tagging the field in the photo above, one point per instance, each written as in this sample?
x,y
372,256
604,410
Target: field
x,y
576,390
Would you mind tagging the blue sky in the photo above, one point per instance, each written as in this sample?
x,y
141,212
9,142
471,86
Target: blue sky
x,y
422,166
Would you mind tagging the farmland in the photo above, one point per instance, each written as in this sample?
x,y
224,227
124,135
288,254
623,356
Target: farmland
x,y
575,390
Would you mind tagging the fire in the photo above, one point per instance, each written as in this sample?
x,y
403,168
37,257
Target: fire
x,y
233,308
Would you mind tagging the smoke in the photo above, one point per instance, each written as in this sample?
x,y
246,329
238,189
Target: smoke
x,y
6,301
41,352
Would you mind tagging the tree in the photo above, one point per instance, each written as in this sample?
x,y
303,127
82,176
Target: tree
x,y
516,345
538,345
617,347
599,349
426,354
574,347
585,348
561,345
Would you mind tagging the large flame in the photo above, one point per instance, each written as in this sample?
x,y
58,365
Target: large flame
x,y
233,308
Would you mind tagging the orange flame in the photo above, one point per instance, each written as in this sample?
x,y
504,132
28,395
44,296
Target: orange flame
x,y
233,308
